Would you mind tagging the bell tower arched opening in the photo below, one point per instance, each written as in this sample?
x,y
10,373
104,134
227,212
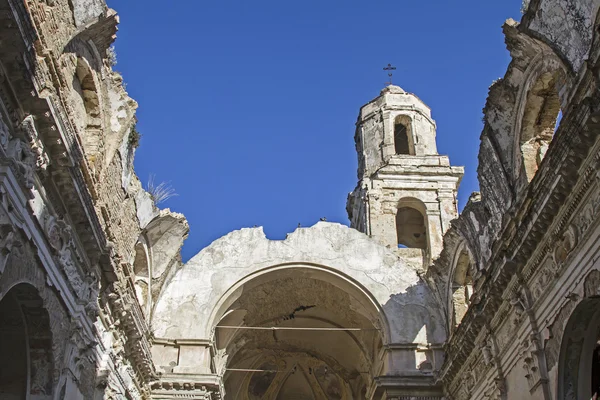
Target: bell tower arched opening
x,y
410,228
411,225
403,135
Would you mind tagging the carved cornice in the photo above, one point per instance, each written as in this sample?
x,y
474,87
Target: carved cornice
x,y
52,125
179,386
43,153
407,387
131,322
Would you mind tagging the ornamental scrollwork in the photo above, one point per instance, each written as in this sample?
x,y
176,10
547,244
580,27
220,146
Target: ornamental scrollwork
x,y
42,160
85,285
20,153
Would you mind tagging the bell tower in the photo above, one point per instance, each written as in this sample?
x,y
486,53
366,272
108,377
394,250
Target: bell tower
x,y
406,192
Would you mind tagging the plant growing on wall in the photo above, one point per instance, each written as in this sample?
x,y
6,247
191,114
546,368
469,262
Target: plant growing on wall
x,y
111,56
134,137
160,192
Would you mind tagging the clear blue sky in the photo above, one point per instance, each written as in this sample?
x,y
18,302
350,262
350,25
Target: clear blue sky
x,y
248,107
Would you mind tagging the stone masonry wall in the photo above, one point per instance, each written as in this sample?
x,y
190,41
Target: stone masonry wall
x,y
531,240
68,141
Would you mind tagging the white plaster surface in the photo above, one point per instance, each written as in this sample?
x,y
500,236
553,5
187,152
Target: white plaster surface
x,y
145,208
185,305
86,10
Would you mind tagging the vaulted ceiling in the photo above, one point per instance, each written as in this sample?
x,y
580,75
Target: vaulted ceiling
x,y
307,354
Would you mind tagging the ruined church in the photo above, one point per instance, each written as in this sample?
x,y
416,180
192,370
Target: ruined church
x,y
412,301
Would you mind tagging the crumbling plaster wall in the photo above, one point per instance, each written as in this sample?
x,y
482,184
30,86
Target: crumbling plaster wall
x,y
470,229
122,204
501,172
165,235
565,25
130,215
84,198
515,354
86,10
116,110
185,306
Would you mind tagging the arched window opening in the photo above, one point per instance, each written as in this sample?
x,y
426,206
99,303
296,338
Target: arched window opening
x,y
579,341
558,119
410,228
141,276
540,121
86,105
13,350
402,135
26,362
462,287
400,139
140,263
596,371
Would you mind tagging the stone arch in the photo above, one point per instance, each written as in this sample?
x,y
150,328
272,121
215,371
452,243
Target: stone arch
x,y
23,282
22,308
161,240
84,65
197,287
595,41
403,135
14,360
142,275
411,225
85,49
460,285
164,236
341,280
329,363
580,345
538,111
87,109
23,269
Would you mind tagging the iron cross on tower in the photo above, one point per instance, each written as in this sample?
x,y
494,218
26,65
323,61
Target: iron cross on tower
x,y
389,69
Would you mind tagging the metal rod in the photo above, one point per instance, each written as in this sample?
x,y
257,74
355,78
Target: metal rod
x,y
290,328
270,370
251,370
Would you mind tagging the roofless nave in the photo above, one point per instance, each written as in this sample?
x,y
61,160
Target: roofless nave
x,y
413,301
